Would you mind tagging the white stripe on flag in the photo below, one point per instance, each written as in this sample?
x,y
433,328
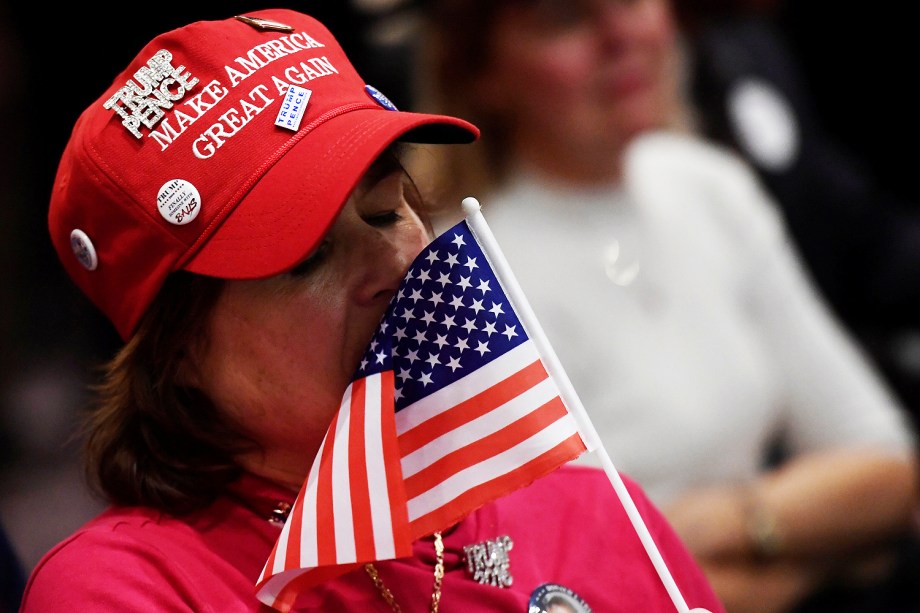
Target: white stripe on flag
x,y
475,430
276,584
472,384
489,469
341,485
281,549
376,473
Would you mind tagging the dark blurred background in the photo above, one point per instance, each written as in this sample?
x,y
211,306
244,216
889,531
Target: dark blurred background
x,y
857,60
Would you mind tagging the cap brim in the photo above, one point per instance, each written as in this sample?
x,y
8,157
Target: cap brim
x,y
291,207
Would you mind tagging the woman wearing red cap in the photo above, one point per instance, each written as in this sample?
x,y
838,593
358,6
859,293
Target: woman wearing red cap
x,y
236,205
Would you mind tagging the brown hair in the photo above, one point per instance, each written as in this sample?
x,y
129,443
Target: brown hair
x,y
150,440
454,47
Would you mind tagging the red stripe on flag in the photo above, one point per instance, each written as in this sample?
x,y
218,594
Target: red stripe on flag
x,y
485,447
468,410
460,506
325,518
286,598
357,468
295,520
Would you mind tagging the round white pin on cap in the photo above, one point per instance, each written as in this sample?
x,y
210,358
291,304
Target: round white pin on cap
x,y
178,202
84,250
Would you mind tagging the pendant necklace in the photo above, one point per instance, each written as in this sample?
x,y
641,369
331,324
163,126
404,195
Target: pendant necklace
x,y
438,577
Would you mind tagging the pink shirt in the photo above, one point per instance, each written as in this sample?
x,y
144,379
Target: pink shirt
x,y
568,528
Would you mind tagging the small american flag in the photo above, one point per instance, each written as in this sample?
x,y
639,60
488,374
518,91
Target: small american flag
x,y
451,407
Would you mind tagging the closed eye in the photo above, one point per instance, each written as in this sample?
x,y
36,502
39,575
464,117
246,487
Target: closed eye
x,y
313,260
384,219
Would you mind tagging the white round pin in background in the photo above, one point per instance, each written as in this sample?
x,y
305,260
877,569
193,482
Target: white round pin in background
x,y
83,249
764,123
178,202
619,270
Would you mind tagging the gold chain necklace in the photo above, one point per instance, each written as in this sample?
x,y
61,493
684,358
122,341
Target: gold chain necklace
x,y
438,577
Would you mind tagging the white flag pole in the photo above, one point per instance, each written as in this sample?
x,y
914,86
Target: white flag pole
x,y
592,441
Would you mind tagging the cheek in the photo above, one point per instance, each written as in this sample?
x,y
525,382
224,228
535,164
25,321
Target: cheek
x,y
564,70
548,68
300,379
305,347
416,241
275,369
530,75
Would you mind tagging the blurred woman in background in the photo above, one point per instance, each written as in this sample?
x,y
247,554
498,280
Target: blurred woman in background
x,y
711,368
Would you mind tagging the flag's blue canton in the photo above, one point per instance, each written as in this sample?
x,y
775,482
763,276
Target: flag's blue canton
x,y
449,318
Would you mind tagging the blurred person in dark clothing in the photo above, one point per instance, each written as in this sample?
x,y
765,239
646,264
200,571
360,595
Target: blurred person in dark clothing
x,y
857,229
12,576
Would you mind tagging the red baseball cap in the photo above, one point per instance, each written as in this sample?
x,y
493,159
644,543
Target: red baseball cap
x,y
226,148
